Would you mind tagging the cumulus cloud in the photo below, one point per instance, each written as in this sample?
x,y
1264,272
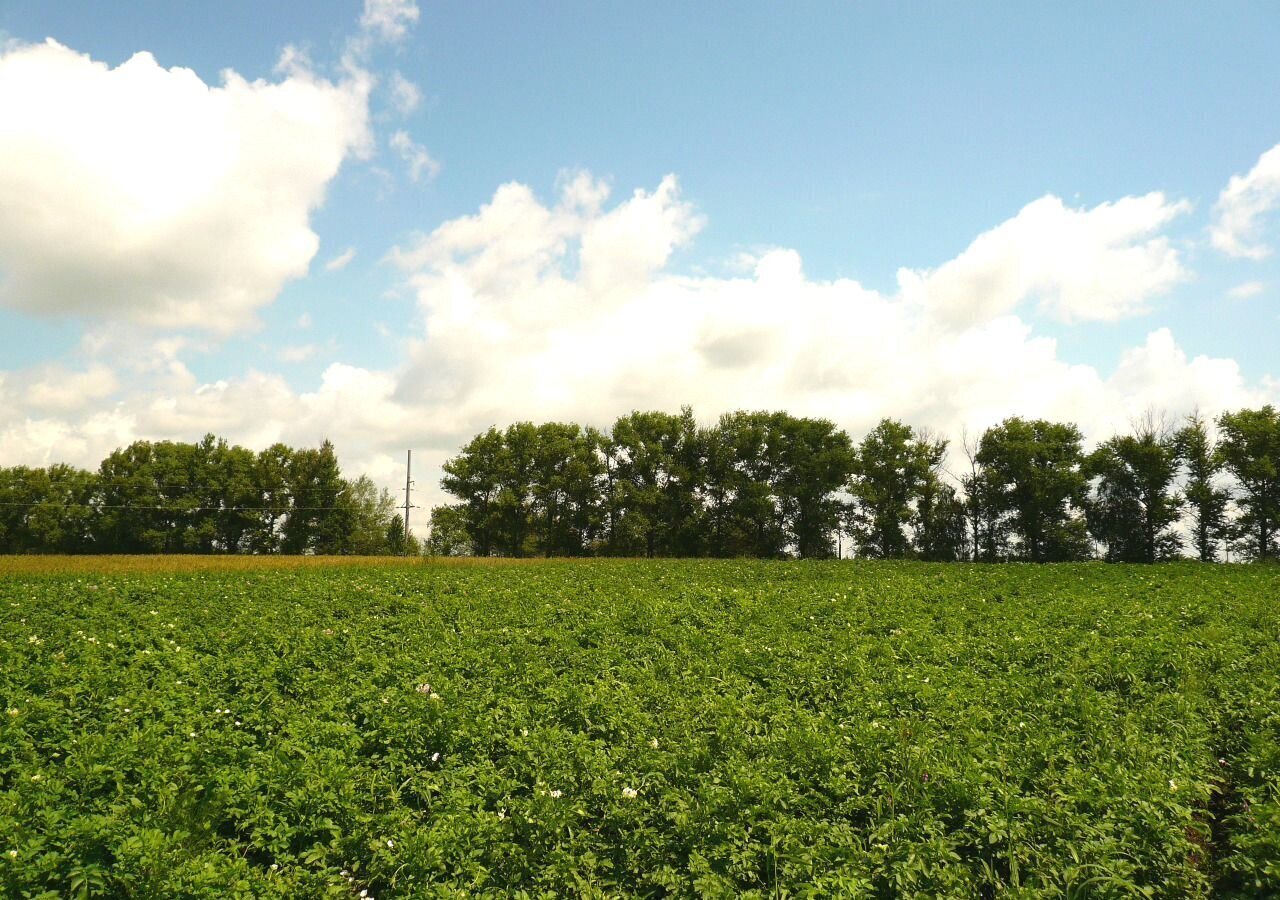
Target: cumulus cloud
x,y
415,156
573,310
1242,206
1098,264
142,193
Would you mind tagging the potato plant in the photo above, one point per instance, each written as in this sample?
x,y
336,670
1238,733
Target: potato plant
x,y
632,728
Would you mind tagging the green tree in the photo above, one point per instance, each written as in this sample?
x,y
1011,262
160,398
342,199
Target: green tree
x,y
450,533
655,475
567,488
321,516
473,477
890,467
1249,443
813,461
1206,500
372,514
1032,472
1132,507
938,522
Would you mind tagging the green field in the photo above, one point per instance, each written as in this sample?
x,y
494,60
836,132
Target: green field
x,y
639,728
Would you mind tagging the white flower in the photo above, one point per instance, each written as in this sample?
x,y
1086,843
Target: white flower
x,y
630,793
502,814
128,710
557,794
275,866
364,892
390,844
653,742
423,689
1173,785
36,777
435,757
13,854
524,732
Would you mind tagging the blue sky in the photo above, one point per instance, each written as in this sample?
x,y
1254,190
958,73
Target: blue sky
x,y
866,138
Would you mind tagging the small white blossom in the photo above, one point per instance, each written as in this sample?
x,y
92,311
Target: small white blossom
x,y
13,854
653,742
423,689
557,794
630,793
1173,785
435,757
391,844
275,866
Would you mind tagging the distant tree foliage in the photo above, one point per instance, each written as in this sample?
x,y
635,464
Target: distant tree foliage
x,y
754,484
1250,451
207,497
770,485
1133,506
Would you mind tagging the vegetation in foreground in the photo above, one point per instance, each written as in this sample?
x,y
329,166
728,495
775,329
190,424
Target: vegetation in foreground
x,y
641,728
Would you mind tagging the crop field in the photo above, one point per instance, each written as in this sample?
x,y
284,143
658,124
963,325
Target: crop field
x,y
658,729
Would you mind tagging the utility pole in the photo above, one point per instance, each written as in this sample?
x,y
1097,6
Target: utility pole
x,y
408,465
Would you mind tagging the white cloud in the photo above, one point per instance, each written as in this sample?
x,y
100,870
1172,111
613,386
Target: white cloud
x,y
1098,264
304,320
340,261
56,389
415,156
1243,203
141,193
1246,290
405,95
572,310
296,353
389,20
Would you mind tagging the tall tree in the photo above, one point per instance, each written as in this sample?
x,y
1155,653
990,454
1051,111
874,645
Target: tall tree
x,y
1250,447
451,533
1204,497
814,460
655,477
889,469
372,516
321,517
938,523
566,490
1132,508
473,477
753,523
1034,473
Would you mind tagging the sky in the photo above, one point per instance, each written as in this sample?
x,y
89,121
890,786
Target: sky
x,y
394,224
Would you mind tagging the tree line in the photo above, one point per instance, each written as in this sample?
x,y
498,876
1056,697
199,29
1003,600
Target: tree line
x,y
773,485
205,497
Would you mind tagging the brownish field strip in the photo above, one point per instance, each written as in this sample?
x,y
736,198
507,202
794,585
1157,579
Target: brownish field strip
x,y
178,563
